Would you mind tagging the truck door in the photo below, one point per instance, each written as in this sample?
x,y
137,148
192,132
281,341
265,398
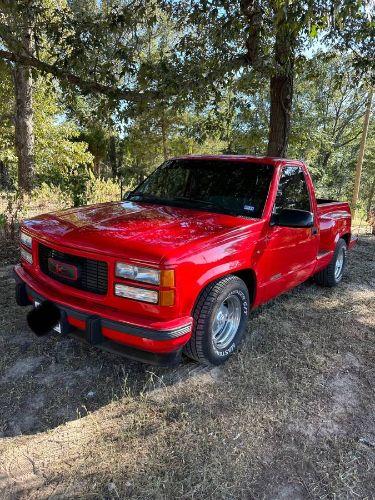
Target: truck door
x,y
290,253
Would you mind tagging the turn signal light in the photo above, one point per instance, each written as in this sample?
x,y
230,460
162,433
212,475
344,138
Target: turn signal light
x,y
166,298
167,277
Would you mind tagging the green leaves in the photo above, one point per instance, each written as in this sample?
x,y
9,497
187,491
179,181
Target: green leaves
x,y
313,31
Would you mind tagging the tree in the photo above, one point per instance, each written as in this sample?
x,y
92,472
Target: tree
x,y
7,153
266,37
147,64
59,147
361,154
20,21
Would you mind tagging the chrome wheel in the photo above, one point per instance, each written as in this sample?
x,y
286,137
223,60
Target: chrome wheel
x,y
339,264
226,322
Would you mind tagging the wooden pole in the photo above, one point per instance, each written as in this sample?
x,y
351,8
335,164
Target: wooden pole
x,y
357,179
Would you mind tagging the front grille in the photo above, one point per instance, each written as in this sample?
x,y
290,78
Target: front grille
x,y
92,276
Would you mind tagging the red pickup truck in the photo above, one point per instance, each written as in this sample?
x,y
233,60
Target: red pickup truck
x,y
178,265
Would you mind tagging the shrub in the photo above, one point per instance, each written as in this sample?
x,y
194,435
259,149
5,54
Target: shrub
x,y
101,190
47,198
13,208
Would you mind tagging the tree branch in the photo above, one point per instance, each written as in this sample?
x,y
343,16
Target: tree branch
x,y
252,11
349,140
88,86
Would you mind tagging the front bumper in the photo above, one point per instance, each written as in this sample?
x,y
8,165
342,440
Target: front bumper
x,y
161,346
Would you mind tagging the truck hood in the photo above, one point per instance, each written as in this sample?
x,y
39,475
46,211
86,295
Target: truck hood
x,y
138,230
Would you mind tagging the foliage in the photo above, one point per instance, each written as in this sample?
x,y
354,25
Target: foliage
x,y
13,210
132,83
101,190
46,198
57,148
328,97
7,152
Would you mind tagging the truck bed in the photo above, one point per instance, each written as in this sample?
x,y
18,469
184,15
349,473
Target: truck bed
x,y
334,218
339,208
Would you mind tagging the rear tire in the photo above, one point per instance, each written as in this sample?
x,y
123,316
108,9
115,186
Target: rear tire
x,y
332,274
220,320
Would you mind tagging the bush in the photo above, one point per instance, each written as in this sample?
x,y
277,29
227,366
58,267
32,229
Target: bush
x,y
47,198
80,188
74,184
101,190
13,208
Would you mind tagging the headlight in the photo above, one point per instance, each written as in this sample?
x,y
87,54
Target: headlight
x,y
136,273
132,292
26,239
26,256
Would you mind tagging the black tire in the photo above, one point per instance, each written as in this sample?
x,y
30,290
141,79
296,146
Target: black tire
x,y
201,347
327,276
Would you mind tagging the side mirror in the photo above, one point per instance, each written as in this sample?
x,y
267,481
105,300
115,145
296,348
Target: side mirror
x,y
289,217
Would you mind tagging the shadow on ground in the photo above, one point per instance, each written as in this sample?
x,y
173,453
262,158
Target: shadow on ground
x,y
48,381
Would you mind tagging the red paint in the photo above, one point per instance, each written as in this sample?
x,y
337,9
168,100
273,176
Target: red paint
x,y
200,246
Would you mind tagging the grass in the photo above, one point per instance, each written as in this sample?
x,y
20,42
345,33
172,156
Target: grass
x,y
290,416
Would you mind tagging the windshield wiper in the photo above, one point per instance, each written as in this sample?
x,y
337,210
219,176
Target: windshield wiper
x,y
139,196
204,202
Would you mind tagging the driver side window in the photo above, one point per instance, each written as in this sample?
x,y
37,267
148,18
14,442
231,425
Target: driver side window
x,y
292,191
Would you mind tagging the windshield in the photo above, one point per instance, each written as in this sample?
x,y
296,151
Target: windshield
x,y
226,186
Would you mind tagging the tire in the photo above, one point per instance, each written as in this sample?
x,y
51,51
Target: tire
x,y
329,276
220,321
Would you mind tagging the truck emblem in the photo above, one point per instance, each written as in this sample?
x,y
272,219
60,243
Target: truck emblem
x,y
62,269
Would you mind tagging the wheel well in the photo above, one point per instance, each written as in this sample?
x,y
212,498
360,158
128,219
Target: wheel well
x,y
346,237
249,278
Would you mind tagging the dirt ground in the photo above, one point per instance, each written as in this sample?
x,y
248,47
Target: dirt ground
x,y
290,416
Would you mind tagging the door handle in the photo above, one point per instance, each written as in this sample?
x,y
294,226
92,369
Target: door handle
x,y
314,231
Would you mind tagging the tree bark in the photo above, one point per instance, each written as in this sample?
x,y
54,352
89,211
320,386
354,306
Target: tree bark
x,y
5,182
87,86
281,94
112,156
357,179
23,123
281,86
96,166
164,135
370,198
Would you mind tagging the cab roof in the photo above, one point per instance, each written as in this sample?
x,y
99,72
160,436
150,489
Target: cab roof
x,y
269,160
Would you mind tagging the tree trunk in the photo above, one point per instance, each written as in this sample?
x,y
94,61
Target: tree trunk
x,y
281,86
357,179
281,90
112,156
96,166
24,130
370,198
164,135
5,182
326,156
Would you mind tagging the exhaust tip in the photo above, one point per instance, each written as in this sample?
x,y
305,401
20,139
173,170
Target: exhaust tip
x,y
43,318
